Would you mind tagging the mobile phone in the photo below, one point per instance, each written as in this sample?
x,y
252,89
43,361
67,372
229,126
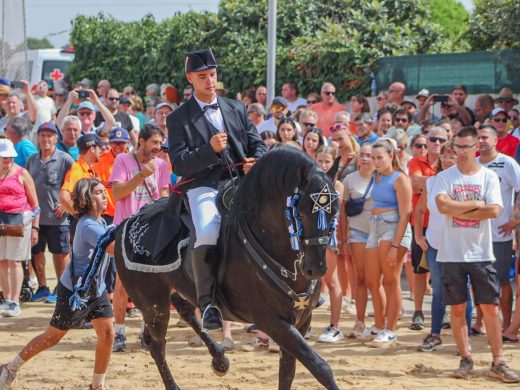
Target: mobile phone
x,y
16,84
440,99
83,94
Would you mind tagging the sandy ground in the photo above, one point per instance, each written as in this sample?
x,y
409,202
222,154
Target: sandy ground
x,y
356,366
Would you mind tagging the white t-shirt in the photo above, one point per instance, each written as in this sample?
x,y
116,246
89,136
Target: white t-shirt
x,y
355,186
297,103
467,240
267,125
435,219
508,173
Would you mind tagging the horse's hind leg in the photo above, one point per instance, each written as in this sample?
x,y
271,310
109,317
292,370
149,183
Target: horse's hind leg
x,y
287,370
155,306
186,310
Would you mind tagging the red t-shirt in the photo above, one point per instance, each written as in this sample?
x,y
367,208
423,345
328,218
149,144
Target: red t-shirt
x,y
507,145
421,166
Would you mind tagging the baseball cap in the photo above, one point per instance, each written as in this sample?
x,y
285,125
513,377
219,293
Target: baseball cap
x,y
408,102
119,134
88,140
48,126
280,101
161,105
423,92
497,111
86,105
124,100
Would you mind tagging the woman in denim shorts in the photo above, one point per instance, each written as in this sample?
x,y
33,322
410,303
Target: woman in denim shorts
x,y
388,241
356,229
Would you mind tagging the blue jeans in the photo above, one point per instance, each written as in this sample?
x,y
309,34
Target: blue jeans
x,y
438,307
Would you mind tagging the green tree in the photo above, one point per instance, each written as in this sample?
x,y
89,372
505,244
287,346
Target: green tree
x,y
36,43
453,19
335,40
495,24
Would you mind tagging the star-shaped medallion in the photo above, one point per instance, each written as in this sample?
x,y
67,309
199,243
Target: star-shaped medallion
x,y
323,199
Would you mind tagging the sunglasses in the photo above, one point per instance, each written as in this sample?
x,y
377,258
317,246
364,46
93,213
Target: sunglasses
x,y
113,99
503,120
308,124
312,101
403,120
379,98
329,93
513,118
435,139
84,113
338,127
420,146
365,155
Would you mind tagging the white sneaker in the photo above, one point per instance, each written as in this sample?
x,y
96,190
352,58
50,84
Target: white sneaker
x,y
383,339
6,377
330,335
369,334
357,330
13,310
3,307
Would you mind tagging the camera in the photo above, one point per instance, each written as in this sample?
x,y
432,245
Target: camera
x,y
440,99
83,94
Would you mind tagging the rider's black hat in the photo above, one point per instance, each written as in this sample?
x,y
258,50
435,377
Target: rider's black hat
x,y
200,60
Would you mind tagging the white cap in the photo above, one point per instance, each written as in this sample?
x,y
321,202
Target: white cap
x,y
497,111
7,148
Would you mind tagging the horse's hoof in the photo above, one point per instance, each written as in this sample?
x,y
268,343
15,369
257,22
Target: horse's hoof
x,y
220,365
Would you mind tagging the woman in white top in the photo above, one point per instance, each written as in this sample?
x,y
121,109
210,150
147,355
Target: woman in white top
x,y
355,229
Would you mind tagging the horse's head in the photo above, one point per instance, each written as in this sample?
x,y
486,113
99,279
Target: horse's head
x,y
311,216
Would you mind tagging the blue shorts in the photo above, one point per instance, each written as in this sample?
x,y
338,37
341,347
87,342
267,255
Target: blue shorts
x,y
55,236
382,228
357,236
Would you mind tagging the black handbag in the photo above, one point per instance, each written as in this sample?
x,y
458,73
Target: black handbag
x,y
11,224
354,207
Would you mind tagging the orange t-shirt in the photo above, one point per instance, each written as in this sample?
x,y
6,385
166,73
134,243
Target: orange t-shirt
x,y
78,170
421,166
104,168
326,115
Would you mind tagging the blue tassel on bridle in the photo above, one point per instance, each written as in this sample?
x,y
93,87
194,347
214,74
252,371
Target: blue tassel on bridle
x,y
333,241
295,224
322,220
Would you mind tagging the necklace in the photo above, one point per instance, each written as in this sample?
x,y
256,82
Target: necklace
x,y
7,173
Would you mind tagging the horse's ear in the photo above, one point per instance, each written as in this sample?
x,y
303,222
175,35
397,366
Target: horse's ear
x,y
331,173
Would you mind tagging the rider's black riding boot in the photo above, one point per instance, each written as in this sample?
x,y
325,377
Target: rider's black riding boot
x,y
204,277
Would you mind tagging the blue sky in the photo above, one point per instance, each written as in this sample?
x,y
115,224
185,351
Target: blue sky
x,y
51,18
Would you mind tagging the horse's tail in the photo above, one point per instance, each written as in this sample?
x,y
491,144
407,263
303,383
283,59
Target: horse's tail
x,y
82,289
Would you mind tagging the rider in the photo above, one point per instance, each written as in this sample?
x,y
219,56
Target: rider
x,y
208,135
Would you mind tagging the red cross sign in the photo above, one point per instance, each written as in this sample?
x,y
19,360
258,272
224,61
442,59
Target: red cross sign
x,y
56,74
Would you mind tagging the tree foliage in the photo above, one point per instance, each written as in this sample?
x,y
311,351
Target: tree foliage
x,y
495,25
453,19
317,41
36,43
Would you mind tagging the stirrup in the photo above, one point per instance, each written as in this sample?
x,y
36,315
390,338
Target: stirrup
x,y
210,306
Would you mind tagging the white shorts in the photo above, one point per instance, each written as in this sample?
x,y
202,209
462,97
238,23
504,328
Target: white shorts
x,y
18,248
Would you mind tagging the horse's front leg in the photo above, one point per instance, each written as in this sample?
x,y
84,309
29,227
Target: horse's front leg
x,y
292,342
287,370
186,310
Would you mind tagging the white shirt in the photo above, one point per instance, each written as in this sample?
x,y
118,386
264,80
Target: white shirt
x,y
509,175
467,240
435,219
213,116
293,106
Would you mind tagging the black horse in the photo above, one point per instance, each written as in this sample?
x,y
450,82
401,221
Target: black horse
x,y
268,276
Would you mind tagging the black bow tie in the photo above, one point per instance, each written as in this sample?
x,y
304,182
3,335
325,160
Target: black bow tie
x,y
208,106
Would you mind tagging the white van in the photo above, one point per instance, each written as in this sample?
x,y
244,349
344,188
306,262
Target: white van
x,y
45,64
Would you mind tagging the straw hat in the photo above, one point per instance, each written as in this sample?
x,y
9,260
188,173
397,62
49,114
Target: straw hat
x,y
506,94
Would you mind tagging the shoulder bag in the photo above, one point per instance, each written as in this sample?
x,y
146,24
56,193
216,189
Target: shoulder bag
x,y
354,207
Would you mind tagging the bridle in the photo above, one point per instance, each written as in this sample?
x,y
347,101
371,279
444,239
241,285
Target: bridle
x,y
266,262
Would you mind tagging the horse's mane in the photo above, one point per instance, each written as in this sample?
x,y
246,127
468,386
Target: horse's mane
x,y
272,179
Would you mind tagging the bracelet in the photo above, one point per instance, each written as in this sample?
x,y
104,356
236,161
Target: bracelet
x,y
35,228
395,246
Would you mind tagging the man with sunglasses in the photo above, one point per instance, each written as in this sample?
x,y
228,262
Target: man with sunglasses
x,y
514,117
468,195
506,143
279,109
419,169
112,102
327,108
308,120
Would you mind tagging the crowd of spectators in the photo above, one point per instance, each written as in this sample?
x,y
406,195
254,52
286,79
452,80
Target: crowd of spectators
x,y
386,154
